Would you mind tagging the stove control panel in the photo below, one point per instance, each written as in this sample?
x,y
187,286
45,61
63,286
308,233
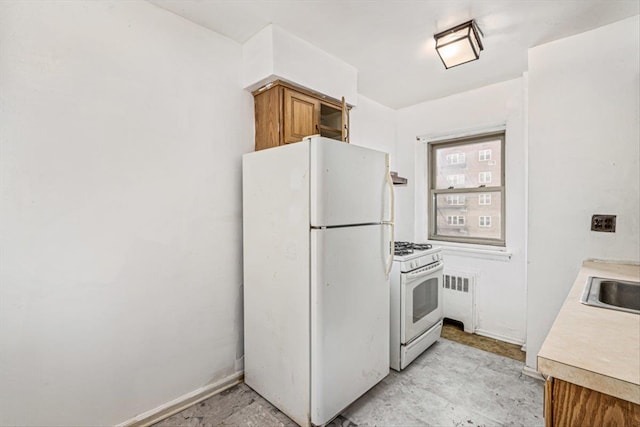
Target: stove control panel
x,y
419,259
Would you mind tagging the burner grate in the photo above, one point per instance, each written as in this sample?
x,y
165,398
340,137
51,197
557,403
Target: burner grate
x,y
421,246
406,248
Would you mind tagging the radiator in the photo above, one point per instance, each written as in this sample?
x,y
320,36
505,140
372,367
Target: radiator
x,y
459,298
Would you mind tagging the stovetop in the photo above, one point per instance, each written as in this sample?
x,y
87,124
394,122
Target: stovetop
x,y
407,248
409,256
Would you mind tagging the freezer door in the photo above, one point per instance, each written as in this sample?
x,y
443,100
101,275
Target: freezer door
x,y
349,316
349,184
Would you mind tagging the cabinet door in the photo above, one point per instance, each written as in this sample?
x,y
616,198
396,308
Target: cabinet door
x,y
574,405
268,115
301,115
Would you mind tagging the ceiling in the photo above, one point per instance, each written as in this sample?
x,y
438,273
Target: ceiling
x,y
390,42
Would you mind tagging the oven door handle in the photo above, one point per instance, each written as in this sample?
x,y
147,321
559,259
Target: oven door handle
x,y
439,265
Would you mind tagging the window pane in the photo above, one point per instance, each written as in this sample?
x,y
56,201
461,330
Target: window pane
x,y
469,165
474,218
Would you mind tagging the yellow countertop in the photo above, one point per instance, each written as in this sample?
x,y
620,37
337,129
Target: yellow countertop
x,y
595,347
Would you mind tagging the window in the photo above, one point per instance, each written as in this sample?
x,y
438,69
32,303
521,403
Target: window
x,y
484,221
484,155
484,177
456,158
484,199
455,220
455,179
456,200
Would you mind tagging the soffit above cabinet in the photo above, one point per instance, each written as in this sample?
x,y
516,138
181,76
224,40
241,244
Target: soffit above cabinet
x,y
274,54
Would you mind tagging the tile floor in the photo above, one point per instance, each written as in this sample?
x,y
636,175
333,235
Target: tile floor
x,y
450,384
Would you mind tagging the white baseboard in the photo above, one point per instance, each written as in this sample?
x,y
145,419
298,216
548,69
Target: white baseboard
x,y
499,337
530,372
183,402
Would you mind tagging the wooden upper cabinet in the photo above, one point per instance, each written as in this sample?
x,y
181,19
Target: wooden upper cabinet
x,y
285,113
301,114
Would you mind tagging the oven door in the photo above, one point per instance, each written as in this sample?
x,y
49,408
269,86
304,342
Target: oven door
x,y
421,300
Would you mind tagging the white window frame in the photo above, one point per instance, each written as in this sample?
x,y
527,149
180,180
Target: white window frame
x,y
484,155
434,192
485,177
484,199
484,221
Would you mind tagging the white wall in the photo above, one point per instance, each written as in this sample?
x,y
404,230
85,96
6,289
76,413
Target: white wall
x,y
583,160
501,286
120,258
373,125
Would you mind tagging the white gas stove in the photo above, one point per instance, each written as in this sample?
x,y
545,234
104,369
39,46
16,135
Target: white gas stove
x,y
416,301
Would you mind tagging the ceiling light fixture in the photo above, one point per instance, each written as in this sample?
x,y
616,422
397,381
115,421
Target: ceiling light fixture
x,y
460,44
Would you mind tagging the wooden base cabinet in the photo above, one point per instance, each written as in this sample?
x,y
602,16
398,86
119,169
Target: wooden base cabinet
x,y
285,114
567,404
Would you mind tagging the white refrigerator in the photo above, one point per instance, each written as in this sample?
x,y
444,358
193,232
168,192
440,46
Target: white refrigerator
x,y
318,248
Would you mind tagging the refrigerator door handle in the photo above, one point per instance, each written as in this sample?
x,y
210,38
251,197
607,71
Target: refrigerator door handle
x,y
391,249
392,196
391,221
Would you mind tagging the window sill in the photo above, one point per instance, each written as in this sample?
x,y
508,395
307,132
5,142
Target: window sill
x,y
474,251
